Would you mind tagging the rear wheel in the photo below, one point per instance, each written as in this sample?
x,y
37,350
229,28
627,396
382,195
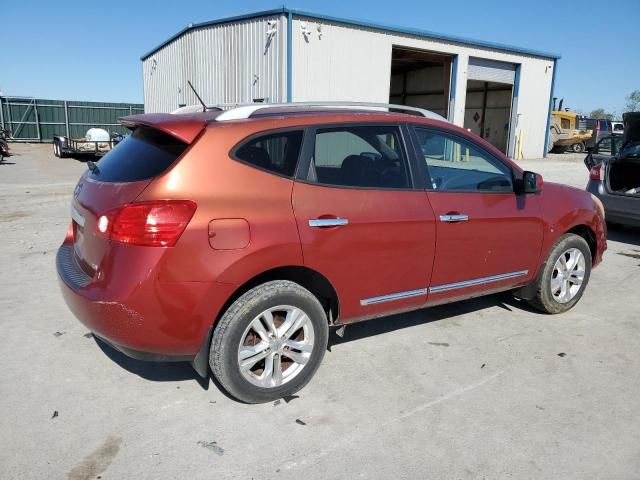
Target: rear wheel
x,y
269,343
577,147
56,148
564,275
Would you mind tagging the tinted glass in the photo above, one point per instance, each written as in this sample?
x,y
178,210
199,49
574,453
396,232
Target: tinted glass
x,y
454,164
144,154
363,156
604,146
276,152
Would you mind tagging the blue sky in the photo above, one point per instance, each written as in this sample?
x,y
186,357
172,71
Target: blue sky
x,y
91,50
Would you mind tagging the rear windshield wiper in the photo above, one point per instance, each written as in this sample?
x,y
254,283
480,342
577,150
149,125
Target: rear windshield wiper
x,y
93,167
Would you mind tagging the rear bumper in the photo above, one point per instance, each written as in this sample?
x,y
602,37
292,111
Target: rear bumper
x,y
131,309
618,208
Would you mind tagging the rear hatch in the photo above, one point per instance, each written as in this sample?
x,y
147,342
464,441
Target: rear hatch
x,y
118,179
623,173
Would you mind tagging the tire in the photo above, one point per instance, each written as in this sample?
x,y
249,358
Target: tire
x,y
244,330
56,149
552,140
577,147
552,281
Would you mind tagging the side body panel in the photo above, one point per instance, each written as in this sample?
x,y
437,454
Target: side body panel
x,y
503,236
386,248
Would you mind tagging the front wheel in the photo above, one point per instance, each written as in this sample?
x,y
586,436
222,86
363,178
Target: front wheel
x,y
564,275
269,343
577,147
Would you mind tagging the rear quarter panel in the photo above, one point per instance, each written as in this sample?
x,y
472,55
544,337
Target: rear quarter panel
x,y
224,188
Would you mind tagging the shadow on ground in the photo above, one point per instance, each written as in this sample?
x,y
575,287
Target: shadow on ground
x,y
630,235
183,371
153,371
383,325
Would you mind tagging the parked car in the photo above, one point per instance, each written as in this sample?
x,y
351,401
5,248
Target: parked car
x,y
614,173
617,128
601,128
236,239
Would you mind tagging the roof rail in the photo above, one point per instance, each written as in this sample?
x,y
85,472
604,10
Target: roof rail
x,y
242,111
245,111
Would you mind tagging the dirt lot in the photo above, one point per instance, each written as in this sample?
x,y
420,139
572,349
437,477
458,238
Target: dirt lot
x,y
479,389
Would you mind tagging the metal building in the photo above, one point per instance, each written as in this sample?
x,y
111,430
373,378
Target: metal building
x,y
500,92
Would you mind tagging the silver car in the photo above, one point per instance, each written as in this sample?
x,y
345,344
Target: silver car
x,y
614,172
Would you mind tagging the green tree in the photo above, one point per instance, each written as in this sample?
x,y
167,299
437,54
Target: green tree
x,y
599,113
633,101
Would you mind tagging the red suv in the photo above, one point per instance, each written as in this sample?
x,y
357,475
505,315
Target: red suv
x,y
236,239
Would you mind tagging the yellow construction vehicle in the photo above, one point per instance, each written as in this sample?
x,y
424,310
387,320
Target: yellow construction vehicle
x,y
564,131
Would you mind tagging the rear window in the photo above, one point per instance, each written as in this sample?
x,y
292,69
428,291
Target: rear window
x,y
275,152
144,154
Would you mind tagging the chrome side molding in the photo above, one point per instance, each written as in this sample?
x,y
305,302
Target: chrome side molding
x,y
393,296
477,281
328,222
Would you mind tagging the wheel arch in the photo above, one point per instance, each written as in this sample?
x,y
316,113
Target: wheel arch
x,y
308,278
586,232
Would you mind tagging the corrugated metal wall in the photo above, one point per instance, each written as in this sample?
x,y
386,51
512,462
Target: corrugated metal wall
x,y
346,62
38,120
227,63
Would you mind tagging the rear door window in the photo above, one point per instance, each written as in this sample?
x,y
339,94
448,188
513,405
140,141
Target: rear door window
x,y
144,154
370,156
276,152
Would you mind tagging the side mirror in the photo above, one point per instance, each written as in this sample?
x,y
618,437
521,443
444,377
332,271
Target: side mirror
x,y
531,183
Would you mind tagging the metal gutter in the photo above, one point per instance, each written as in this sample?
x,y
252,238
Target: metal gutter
x,y
452,88
360,23
289,56
553,84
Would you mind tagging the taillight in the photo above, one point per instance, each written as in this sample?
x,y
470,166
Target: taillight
x,y
156,223
596,172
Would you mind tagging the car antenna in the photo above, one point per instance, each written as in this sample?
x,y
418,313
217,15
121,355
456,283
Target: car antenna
x,y
204,106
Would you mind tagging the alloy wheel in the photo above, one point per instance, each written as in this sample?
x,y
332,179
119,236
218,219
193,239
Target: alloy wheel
x,y
276,346
568,275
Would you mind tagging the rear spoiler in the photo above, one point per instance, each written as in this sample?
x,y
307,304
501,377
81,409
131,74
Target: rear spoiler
x,y
183,127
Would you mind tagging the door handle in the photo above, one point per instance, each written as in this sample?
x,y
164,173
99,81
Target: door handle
x,y
328,222
454,218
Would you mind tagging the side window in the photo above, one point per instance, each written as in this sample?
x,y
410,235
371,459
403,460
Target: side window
x,y
359,156
455,164
617,142
604,146
276,152
565,124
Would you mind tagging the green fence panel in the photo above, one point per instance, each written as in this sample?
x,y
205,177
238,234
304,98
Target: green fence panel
x,y
39,120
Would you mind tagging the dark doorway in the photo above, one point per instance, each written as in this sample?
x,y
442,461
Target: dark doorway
x,y
420,79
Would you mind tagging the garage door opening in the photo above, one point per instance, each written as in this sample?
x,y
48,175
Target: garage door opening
x,y
420,79
488,111
490,100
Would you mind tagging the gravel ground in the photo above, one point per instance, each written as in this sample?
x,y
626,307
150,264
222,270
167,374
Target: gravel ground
x,y
485,388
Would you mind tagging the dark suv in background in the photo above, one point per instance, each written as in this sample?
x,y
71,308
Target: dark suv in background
x,y
601,128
